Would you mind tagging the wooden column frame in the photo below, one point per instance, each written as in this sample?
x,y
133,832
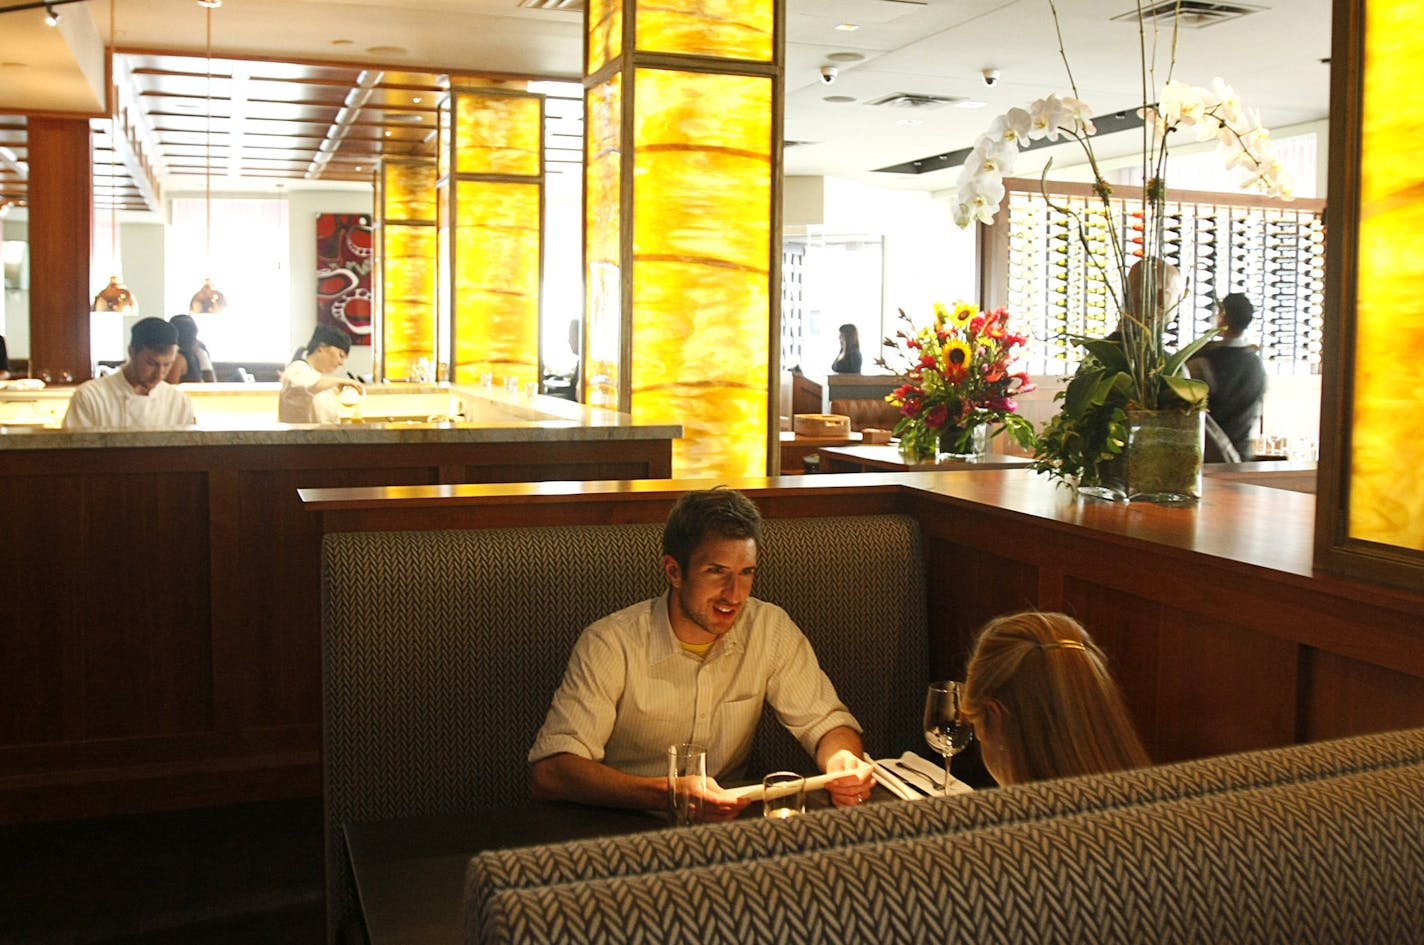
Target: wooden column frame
x,y
61,198
1335,550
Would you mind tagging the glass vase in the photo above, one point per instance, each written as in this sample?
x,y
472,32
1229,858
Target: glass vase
x,y
971,449
1163,459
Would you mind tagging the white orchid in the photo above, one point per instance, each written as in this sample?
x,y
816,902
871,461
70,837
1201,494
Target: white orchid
x,y
1048,117
1012,127
1181,104
1228,103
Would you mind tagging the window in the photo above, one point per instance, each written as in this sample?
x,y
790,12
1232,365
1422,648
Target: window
x,y
248,262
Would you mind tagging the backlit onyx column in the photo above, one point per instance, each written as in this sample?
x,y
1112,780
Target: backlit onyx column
x,y
681,216
405,270
490,212
61,204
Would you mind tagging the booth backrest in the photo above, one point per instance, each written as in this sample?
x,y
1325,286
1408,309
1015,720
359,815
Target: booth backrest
x,y
1317,843
441,650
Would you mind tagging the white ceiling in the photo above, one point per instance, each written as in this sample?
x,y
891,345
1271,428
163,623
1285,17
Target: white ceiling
x,y
937,47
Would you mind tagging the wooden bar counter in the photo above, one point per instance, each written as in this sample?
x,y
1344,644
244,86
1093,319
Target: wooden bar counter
x,y
1222,635
161,600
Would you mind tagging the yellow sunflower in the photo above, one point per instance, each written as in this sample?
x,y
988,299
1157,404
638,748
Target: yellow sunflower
x,y
963,313
956,356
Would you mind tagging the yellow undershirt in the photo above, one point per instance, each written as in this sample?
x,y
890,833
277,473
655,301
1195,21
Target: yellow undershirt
x,y
698,650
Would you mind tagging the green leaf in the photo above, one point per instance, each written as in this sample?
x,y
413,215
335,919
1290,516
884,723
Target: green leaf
x,y
1191,391
1106,350
1174,363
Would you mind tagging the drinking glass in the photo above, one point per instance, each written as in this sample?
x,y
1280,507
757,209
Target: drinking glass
x,y
783,795
687,782
946,729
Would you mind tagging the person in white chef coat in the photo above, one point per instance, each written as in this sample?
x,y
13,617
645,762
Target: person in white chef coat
x,y
310,393
136,396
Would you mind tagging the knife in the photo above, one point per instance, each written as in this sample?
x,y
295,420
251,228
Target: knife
x,y
921,781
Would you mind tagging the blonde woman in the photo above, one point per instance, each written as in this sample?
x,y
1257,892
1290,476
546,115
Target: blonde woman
x,y
1043,703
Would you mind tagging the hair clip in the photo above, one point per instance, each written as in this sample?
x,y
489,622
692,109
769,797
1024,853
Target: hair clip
x,y
1063,645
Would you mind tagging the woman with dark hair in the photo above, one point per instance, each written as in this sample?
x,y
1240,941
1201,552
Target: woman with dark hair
x,y
309,394
848,362
1043,703
192,365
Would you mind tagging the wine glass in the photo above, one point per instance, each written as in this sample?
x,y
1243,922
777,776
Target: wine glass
x,y
946,729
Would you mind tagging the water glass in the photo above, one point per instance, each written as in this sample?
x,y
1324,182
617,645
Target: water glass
x,y
783,795
687,782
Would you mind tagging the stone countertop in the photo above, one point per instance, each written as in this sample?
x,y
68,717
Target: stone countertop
x,y
281,434
508,418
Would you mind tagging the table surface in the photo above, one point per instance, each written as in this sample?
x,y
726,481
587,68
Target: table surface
x,y
410,871
862,457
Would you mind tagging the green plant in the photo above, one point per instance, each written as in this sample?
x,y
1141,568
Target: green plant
x,y
1131,367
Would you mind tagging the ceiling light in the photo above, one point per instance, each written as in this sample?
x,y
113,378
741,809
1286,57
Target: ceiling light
x,y
51,16
210,4
415,100
847,27
970,103
839,99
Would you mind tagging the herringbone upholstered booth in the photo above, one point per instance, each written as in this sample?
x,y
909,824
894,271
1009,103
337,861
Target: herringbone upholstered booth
x,y
442,649
1320,843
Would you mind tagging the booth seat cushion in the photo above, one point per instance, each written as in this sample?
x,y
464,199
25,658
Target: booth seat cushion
x,y
1010,865
441,650
1339,860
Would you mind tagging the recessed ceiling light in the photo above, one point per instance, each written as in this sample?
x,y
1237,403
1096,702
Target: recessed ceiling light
x,y
839,99
415,100
386,50
847,27
846,57
970,103
343,42
14,65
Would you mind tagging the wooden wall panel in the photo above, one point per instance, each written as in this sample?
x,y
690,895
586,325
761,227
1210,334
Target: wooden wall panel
x,y
970,587
1341,697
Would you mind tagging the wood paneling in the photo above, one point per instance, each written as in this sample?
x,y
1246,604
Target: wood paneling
x,y
163,614
1341,697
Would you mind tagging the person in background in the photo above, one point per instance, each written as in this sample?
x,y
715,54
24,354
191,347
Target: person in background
x,y
694,665
192,365
1234,374
309,393
1043,703
4,360
136,395
849,360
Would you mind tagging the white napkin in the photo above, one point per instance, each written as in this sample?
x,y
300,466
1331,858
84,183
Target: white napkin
x,y
932,772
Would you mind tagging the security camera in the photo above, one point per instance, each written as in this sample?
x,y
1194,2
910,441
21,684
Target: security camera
x,y
828,74
991,77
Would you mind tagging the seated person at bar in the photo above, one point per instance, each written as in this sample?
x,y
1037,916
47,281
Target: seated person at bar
x,y
193,365
308,394
1043,703
136,395
693,665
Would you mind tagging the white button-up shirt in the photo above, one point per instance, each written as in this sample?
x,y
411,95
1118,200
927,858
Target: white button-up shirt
x,y
630,691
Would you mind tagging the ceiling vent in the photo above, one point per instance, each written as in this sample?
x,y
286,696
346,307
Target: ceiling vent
x,y
1191,14
916,100
563,6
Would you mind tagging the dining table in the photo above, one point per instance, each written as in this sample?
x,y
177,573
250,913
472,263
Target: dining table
x,y
410,871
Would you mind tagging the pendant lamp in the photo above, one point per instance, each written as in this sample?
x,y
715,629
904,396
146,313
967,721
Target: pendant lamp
x,y
114,297
208,298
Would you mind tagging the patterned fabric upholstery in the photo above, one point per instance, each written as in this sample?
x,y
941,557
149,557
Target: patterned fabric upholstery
x,y
441,650
1315,843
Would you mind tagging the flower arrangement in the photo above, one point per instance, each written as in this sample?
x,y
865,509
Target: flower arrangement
x,y
1129,368
960,374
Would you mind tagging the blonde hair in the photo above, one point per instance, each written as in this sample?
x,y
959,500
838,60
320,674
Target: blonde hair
x,y
1061,712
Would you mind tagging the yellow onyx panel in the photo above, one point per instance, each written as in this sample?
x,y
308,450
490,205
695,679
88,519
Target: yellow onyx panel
x,y
726,29
602,237
605,32
408,190
498,134
1386,491
496,259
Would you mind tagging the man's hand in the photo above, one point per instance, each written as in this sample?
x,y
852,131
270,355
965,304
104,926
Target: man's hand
x,y
855,787
718,805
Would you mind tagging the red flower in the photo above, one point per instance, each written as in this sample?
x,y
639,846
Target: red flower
x,y
938,414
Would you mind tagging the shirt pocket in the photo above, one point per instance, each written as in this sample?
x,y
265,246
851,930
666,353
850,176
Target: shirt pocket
x,y
732,733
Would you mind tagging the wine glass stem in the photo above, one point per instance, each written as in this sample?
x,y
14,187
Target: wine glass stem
x,y
947,775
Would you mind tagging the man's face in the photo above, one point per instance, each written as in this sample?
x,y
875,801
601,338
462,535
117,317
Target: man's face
x,y
147,366
706,599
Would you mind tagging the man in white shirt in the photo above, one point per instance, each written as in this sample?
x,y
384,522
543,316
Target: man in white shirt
x,y
694,665
136,395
